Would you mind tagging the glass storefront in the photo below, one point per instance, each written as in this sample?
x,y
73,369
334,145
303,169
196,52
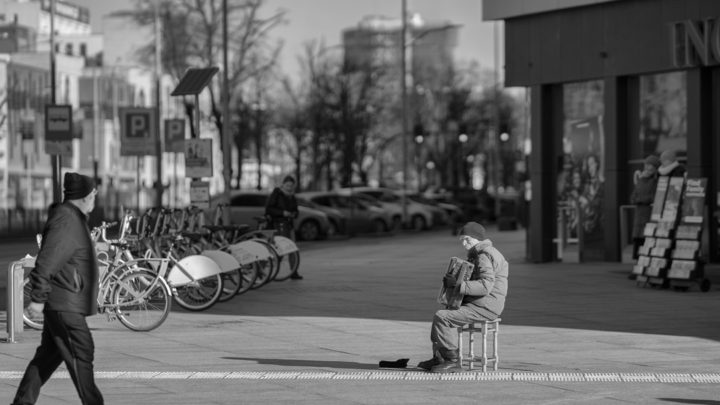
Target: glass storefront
x,y
663,114
581,176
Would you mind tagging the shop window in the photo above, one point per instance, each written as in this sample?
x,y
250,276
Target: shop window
x,y
663,114
581,177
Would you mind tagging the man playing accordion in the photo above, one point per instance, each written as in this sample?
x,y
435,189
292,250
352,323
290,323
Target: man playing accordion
x,y
483,298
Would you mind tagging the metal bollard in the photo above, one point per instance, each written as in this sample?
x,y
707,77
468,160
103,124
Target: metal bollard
x,y
16,275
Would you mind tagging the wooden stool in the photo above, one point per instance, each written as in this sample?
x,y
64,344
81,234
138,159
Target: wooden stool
x,y
485,328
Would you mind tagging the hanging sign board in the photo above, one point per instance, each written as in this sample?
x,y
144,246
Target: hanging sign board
x,y
138,132
200,194
198,158
175,135
58,130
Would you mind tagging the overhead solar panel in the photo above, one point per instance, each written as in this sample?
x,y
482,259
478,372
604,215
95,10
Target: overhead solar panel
x,y
194,81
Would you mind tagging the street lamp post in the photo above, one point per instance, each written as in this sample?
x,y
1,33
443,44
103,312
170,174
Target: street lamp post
x,y
56,160
403,79
418,156
462,172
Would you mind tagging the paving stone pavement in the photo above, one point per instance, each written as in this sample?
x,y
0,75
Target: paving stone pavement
x,y
571,333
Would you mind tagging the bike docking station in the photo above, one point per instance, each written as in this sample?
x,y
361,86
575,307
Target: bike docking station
x,y
15,298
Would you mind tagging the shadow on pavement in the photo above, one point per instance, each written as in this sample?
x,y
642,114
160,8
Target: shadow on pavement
x,y
308,363
691,401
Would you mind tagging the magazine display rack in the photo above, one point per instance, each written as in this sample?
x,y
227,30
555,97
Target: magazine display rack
x,y
654,254
687,265
671,254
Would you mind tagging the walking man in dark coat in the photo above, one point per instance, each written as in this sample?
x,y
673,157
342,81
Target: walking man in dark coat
x,y
64,291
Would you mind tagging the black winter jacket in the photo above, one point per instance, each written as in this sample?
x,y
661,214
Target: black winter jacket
x,y
65,276
279,202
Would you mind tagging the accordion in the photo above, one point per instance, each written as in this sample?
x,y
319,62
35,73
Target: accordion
x,y
461,270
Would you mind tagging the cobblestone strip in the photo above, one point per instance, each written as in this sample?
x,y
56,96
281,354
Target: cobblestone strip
x,y
633,378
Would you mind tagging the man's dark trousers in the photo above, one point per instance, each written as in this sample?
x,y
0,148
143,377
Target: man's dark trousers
x,y
65,337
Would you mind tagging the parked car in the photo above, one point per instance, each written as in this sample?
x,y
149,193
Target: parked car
x,y
362,215
453,211
418,217
245,206
443,214
338,221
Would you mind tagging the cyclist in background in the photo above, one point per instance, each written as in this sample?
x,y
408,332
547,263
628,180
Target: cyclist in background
x,y
282,209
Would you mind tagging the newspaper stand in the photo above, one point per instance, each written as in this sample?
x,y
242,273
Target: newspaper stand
x,y
688,265
654,256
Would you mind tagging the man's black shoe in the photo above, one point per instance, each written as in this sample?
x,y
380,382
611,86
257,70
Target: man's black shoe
x,y
429,364
296,277
447,366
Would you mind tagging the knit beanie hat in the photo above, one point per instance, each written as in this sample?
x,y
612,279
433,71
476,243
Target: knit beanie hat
x,y
652,160
77,186
473,229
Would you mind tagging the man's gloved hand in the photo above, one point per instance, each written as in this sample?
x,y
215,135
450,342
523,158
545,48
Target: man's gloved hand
x,y
449,281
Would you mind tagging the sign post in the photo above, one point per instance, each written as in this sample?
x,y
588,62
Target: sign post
x,y
138,131
58,130
198,152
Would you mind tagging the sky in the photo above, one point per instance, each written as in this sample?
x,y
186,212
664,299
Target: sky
x,y
324,20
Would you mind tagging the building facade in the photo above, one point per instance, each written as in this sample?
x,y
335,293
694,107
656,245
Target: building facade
x,y
612,82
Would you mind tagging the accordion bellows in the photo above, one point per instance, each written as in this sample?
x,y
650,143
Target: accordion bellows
x,y
461,270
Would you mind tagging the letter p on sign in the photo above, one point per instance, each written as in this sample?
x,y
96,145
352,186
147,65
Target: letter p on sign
x,y
138,125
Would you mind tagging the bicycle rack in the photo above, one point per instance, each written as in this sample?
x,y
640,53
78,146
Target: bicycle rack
x,y
15,276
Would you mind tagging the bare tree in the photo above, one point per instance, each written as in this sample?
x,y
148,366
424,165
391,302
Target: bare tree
x,y
192,37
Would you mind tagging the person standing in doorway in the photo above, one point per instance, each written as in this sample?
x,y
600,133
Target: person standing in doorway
x,y
64,291
670,166
282,209
642,197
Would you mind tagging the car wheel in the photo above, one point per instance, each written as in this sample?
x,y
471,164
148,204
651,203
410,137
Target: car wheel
x,y
379,226
418,223
333,229
309,230
397,222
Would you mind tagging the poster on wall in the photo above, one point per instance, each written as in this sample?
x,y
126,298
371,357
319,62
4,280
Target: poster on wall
x,y
581,183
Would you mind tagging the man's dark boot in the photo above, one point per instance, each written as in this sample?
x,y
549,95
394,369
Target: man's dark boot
x,y
296,276
427,365
449,365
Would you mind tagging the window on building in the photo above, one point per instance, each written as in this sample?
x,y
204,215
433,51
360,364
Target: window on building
x,y
663,113
83,49
581,178
68,49
57,48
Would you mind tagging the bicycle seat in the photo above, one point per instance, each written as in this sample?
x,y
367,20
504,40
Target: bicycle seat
x,y
193,236
215,228
228,228
119,243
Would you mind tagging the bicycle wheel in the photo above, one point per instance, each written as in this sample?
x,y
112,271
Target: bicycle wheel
x,y
141,300
265,271
201,294
288,265
34,323
273,257
232,282
249,275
